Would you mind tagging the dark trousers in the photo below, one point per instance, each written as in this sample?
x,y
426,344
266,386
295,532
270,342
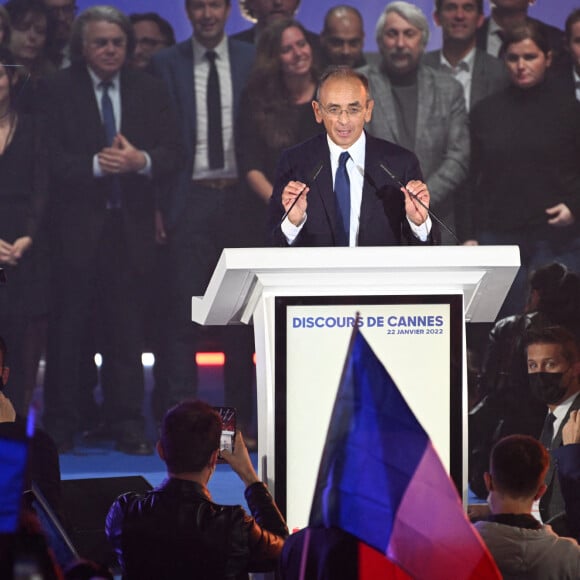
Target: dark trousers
x,y
107,282
211,222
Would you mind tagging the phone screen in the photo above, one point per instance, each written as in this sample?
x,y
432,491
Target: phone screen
x,y
228,435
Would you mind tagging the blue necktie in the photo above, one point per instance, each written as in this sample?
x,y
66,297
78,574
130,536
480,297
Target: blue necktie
x,y
342,191
114,199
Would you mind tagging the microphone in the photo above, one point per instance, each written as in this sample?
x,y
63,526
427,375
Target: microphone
x,y
311,179
416,198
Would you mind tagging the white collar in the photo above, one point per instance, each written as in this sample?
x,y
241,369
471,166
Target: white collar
x,y
356,150
467,61
97,81
199,50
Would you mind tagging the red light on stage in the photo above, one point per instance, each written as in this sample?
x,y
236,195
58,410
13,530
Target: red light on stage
x,y
210,359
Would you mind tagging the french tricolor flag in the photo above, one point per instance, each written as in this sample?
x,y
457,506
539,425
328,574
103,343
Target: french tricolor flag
x,y
381,480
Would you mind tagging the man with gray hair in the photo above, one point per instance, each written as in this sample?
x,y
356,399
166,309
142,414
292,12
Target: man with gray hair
x,y
419,108
113,146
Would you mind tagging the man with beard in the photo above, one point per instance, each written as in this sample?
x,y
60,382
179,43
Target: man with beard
x,y
343,37
554,375
419,108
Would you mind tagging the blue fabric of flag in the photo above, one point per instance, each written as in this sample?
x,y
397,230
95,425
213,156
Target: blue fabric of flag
x,y
13,455
372,450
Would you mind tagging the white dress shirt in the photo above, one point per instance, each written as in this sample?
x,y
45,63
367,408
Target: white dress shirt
x,y
200,76
462,72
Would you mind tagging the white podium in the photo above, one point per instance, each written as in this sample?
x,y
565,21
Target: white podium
x,y
302,300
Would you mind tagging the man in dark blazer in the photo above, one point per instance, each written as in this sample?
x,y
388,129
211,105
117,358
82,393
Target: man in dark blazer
x,y
380,211
479,73
507,14
554,375
206,208
568,76
114,144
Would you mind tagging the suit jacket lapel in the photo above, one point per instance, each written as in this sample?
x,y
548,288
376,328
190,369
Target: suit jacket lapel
x,y
384,108
425,92
130,113
557,441
238,77
184,77
86,103
323,186
477,78
574,407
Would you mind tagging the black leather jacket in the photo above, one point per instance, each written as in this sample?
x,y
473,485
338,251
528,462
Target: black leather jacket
x,y
176,531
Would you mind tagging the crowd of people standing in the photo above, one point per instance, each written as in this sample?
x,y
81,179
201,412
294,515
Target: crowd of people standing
x,y
128,162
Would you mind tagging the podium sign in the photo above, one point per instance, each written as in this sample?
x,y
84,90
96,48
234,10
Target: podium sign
x,y
413,336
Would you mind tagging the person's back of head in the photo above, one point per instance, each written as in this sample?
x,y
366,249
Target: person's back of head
x,y
190,433
87,570
518,465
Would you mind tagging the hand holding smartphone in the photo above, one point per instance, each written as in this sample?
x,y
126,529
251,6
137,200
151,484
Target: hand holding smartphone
x,y
228,435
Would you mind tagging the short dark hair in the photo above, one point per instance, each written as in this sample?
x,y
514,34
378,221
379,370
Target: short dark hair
x,y
228,3
342,72
518,465
478,4
99,14
544,334
248,13
86,570
533,30
190,433
572,18
164,27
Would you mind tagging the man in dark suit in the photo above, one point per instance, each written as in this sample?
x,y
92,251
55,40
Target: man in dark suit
x,y
554,374
568,76
479,74
507,14
205,213
114,144
336,187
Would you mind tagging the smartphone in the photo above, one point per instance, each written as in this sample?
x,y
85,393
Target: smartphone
x,y
228,435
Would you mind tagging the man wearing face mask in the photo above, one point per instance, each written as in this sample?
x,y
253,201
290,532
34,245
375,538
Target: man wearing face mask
x,y
554,377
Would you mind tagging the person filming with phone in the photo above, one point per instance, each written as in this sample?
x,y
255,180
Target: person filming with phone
x,y
176,530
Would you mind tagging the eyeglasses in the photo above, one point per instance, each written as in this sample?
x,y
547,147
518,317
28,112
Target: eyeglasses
x,y
336,111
